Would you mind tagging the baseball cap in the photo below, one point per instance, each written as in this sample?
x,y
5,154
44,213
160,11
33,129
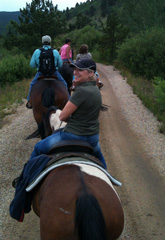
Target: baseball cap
x,y
46,39
84,63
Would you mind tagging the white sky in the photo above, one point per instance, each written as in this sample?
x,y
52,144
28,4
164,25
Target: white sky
x,y
15,5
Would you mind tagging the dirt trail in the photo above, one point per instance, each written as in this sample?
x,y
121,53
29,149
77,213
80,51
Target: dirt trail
x,y
142,192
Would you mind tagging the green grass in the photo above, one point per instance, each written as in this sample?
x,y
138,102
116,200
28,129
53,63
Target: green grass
x,y
144,89
11,97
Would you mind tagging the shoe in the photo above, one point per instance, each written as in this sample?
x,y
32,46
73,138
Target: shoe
x,y
72,88
28,105
14,182
100,85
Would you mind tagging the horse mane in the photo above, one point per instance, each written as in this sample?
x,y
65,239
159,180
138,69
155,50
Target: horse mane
x,y
55,122
44,125
50,122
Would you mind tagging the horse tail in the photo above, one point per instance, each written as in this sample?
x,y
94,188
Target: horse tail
x,y
48,97
89,218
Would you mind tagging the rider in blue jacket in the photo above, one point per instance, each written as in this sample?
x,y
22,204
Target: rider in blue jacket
x,y
34,63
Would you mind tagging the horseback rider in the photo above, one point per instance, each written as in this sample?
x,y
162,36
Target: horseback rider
x,y
66,52
35,63
81,112
83,54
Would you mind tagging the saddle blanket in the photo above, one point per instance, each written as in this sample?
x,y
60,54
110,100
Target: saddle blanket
x,y
86,166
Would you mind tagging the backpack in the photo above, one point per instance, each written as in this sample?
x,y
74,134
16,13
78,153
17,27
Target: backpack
x,y
46,61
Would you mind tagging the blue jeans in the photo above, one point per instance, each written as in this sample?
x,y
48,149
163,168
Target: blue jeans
x,y
66,60
43,146
38,74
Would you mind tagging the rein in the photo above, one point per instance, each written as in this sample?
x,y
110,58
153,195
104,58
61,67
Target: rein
x,y
60,124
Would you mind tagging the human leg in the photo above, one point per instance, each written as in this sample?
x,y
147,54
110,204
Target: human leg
x,y
99,155
72,88
44,146
93,140
33,82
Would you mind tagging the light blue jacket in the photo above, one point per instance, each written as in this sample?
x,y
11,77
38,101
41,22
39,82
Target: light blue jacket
x,y
34,63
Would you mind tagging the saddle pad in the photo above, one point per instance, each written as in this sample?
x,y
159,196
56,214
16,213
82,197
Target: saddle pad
x,y
68,161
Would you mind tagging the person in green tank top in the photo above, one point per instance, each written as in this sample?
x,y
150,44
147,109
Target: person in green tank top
x,y
81,112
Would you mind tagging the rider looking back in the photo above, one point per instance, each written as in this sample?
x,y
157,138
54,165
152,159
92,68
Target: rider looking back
x,y
81,112
35,63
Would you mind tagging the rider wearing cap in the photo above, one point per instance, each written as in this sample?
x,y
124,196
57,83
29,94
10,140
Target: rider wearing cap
x,y
81,112
34,63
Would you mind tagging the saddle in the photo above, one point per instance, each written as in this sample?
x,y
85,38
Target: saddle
x,y
72,148
71,145
51,77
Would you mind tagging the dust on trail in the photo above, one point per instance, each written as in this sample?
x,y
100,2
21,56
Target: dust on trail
x,y
130,159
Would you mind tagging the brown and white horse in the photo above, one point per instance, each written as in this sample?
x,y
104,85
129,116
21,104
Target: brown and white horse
x,y
77,201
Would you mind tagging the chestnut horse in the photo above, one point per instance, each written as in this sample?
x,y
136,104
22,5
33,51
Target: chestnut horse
x,y
76,200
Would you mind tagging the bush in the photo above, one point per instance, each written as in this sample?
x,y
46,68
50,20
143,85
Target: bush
x,y
159,87
144,54
14,69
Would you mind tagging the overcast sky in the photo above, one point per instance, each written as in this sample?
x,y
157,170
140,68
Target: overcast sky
x,y
15,5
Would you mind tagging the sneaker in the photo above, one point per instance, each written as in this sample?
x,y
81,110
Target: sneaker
x,y
100,85
28,105
72,88
14,182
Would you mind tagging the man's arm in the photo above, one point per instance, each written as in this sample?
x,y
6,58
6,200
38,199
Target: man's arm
x,y
35,56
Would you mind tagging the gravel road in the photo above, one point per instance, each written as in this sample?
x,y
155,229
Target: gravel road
x,y
134,151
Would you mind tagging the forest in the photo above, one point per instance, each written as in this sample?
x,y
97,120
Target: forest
x,y
127,33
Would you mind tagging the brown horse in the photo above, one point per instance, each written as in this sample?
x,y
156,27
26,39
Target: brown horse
x,y
45,93
76,200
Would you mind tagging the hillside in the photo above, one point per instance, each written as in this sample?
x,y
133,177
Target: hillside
x,y
5,18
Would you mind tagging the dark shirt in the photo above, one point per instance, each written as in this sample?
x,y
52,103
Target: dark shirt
x,y
84,121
